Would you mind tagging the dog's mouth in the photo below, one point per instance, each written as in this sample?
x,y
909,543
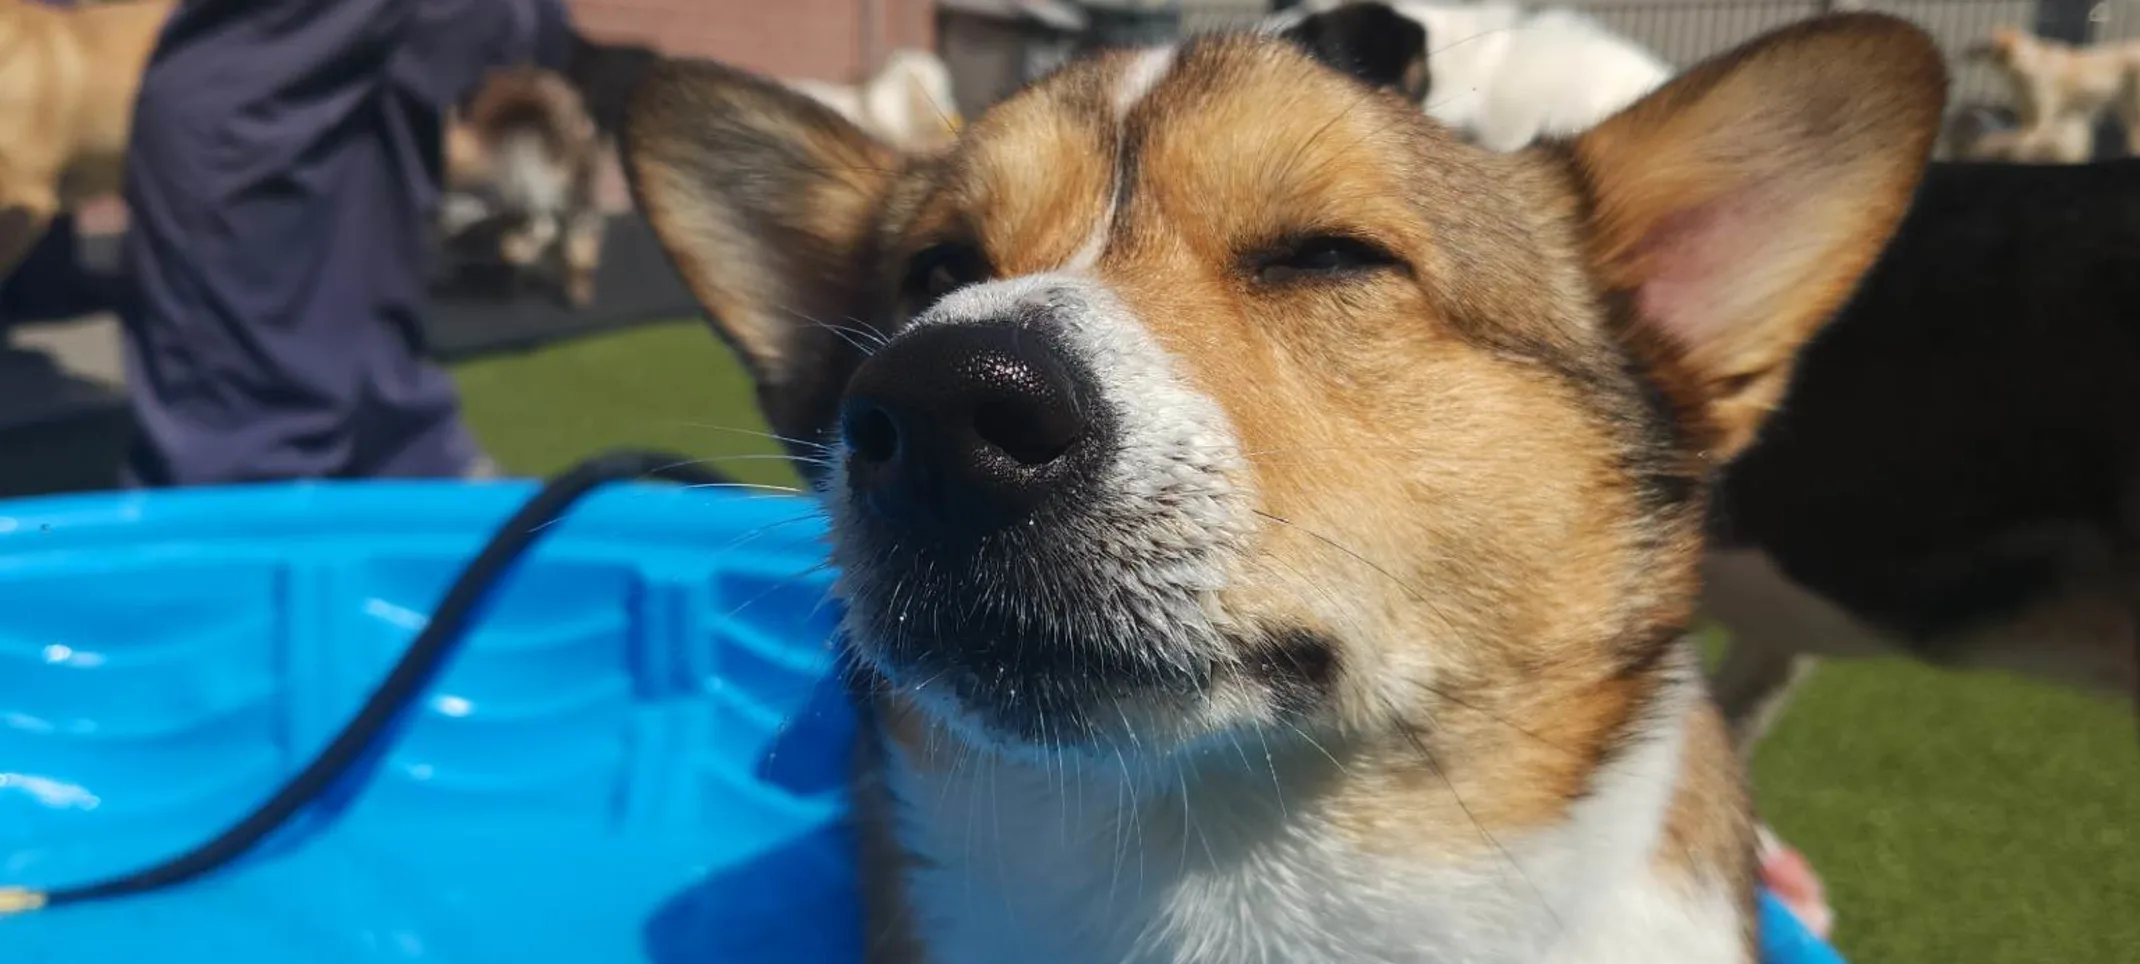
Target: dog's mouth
x,y
1025,548
1012,641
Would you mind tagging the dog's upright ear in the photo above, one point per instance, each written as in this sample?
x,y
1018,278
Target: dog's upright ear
x,y
1370,41
765,201
1734,210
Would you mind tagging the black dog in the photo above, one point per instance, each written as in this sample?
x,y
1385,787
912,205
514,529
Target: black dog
x,y
1955,472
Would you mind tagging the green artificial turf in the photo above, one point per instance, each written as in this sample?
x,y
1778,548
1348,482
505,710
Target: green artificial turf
x,y
672,387
1958,819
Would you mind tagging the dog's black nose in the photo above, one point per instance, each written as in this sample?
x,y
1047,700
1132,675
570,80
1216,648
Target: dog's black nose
x,y
964,428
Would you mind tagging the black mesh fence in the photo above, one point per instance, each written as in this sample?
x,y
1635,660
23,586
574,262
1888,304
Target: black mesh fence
x,y
1683,32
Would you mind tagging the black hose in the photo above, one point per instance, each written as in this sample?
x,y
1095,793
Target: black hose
x,y
411,676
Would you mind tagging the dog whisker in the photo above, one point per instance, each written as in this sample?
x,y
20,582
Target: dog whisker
x,y
1434,766
1270,765
724,458
755,433
854,337
865,330
777,586
1417,596
759,487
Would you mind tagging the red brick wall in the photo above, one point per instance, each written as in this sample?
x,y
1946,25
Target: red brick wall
x,y
819,39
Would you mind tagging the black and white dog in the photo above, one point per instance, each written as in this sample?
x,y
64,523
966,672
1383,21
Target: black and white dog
x,y
1508,76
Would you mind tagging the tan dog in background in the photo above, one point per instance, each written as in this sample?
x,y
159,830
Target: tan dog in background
x,y
2059,92
1269,524
525,156
68,77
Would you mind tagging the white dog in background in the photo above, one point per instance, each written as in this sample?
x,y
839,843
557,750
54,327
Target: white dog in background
x,y
1507,76
908,102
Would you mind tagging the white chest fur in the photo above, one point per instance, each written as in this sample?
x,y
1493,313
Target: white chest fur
x,y
1086,866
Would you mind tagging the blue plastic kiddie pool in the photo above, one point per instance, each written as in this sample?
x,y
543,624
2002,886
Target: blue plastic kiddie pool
x,y
635,755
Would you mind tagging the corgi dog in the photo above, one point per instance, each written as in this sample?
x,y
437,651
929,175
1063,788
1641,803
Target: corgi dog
x,y
1267,523
1509,77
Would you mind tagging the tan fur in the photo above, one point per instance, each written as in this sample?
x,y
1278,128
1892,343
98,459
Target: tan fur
x,y
1029,185
68,76
2059,91
467,162
1803,284
518,101
1455,474
1385,375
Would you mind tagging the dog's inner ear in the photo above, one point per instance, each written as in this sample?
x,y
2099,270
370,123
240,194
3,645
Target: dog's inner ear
x,y
764,200
1735,209
1370,41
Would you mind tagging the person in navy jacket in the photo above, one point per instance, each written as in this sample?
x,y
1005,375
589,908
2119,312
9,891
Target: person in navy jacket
x,y
285,162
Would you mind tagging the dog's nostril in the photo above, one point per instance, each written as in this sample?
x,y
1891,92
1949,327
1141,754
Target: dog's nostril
x,y
1032,431
871,433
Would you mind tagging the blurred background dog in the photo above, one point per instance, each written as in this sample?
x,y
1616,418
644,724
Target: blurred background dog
x,y
1508,76
908,102
523,160
68,76
2060,92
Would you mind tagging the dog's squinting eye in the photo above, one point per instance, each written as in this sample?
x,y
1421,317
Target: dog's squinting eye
x,y
941,270
1318,257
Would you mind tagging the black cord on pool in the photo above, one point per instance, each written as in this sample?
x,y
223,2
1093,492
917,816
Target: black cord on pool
x,y
412,675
